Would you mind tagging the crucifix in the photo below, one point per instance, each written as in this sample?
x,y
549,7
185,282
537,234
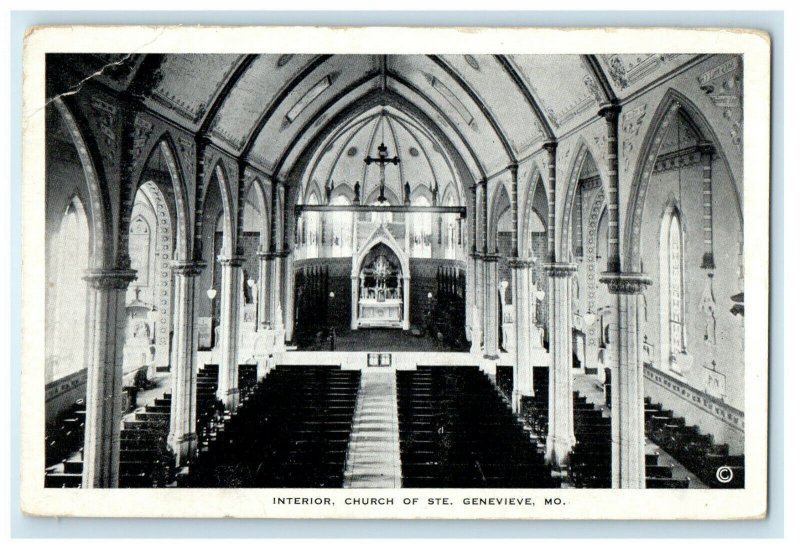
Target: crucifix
x,y
382,160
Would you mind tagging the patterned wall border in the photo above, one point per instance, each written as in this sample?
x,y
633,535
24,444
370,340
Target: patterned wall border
x,y
713,406
56,388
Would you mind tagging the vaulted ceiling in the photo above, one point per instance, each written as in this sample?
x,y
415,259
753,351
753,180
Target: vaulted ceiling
x,y
494,109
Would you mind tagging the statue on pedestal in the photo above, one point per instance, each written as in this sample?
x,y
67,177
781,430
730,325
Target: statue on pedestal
x,y
477,333
508,318
537,339
280,331
708,307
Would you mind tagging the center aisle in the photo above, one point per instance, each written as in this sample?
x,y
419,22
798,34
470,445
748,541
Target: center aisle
x,y
373,459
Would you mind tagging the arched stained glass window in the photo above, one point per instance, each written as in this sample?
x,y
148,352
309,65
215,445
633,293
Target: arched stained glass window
x,y
675,285
341,229
421,230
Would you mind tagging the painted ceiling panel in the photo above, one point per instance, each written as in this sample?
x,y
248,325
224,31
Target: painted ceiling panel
x,y
431,80
422,162
444,126
630,72
255,91
320,169
499,93
339,74
187,83
472,99
561,85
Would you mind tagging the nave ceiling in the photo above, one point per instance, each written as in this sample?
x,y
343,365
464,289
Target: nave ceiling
x,y
267,109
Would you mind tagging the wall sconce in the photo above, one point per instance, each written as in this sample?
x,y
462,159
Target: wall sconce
x,y
211,293
152,317
430,295
589,318
250,282
331,295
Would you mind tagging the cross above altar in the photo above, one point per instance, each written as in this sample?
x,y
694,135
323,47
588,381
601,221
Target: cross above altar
x,y
382,159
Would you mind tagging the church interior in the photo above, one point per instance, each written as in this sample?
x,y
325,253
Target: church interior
x,y
387,271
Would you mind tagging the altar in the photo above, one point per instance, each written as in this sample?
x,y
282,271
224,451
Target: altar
x,y
380,284
377,314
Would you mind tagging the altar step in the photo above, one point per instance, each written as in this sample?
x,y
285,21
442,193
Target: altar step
x,y
373,457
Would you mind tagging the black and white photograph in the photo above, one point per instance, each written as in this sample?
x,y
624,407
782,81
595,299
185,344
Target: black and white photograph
x,y
478,278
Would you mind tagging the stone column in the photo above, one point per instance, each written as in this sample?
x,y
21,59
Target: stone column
x,y
275,248
490,350
406,302
275,291
611,113
521,292
477,266
263,289
287,297
627,381
561,429
550,147
470,289
288,311
183,411
707,154
104,376
228,388
354,295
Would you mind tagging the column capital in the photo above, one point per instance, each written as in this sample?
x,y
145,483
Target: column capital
x,y
264,255
476,255
110,279
188,268
514,169
235,261
550,146
187,437
625,283
520,263
560,270
491,258
706,148
609,111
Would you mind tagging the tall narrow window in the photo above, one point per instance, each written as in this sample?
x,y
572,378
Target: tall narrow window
x,y
421,230
312,223
673,357
675,281
342,229
450,235
70,259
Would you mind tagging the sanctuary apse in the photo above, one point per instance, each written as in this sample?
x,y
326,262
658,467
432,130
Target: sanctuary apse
x,y
559,238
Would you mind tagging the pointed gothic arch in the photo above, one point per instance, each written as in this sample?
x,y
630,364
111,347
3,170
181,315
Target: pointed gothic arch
x,y
672,103
582,154
100,219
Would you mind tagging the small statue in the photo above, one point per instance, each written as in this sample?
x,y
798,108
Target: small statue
x,y
407,191
435,193
708,306
357,193
477,333
328,192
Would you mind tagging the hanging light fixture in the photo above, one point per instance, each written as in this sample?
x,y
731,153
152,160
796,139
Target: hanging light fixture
x,y
152,316
589,318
